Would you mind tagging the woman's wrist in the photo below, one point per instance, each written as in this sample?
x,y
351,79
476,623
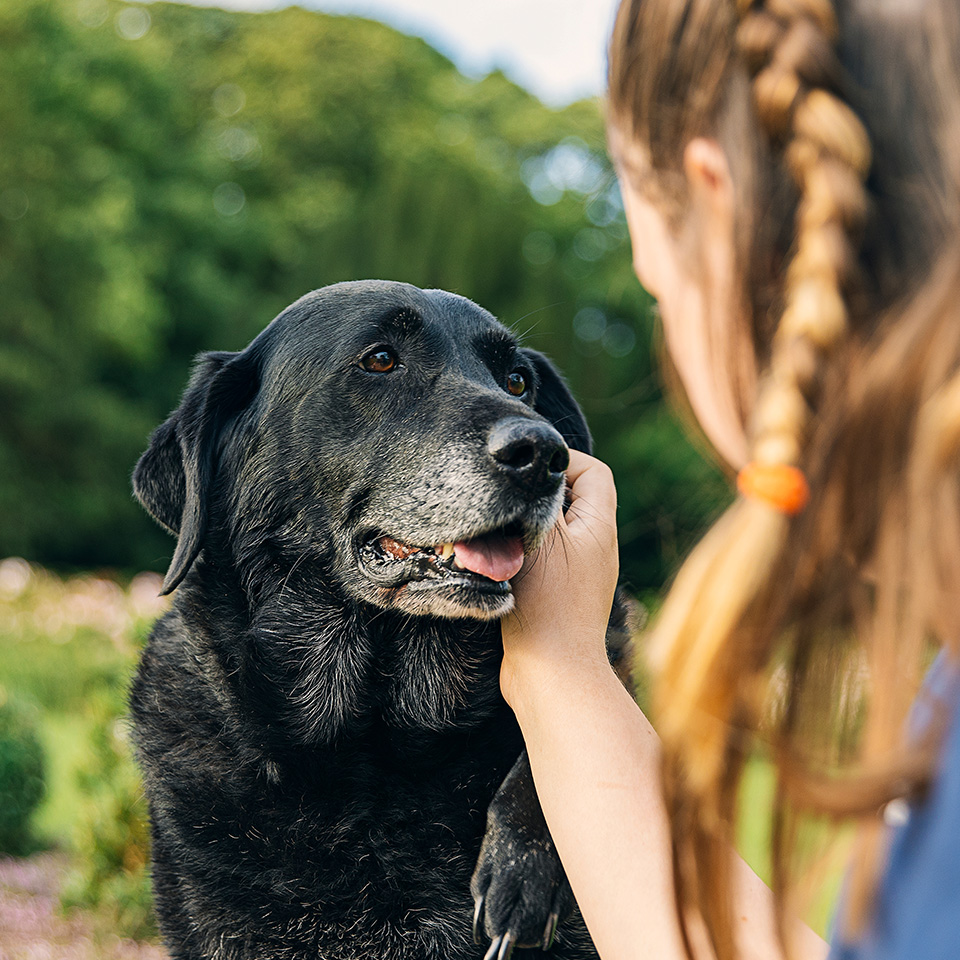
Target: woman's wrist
x,y
539,674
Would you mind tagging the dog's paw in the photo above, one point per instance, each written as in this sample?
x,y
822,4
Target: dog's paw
x,y
519,888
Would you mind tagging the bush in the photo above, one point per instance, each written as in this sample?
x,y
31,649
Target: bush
x,y
21,774
111,836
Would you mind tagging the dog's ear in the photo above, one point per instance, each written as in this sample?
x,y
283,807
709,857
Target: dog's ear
x,y
555,402
173,477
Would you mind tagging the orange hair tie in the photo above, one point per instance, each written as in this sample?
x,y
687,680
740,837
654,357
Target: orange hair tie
x,y
783,487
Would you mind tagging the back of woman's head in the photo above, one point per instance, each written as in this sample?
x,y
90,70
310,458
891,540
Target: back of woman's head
x,y
742,72
841,126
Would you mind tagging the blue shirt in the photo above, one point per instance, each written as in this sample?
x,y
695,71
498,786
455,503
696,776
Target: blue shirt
x,y
917,915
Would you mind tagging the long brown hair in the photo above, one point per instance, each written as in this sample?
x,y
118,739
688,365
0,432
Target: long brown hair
x,y
839,124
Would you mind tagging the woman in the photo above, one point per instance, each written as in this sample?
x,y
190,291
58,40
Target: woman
x,y
789,173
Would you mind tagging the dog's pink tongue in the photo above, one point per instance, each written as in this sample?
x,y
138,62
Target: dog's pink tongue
x,y
498,558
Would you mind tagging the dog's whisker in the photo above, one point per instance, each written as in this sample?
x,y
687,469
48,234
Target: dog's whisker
x,y
523,335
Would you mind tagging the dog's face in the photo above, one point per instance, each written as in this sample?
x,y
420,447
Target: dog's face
x,y
403,434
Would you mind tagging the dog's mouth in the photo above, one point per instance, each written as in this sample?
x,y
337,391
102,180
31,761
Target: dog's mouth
x,y
486,562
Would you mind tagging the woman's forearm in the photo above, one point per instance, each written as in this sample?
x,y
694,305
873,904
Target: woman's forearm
x,y
595,762
595,765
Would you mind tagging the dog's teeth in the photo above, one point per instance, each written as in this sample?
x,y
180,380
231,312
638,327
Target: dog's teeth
x,y
457,565
445,550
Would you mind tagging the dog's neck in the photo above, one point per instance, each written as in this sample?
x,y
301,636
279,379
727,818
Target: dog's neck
x,y
402,682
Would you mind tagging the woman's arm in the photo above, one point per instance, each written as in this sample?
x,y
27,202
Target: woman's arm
x,y
594,755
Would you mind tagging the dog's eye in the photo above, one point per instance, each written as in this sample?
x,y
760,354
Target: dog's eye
x,y
379,360
516,383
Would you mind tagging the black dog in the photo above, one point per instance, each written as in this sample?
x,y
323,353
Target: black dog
x,y
318,717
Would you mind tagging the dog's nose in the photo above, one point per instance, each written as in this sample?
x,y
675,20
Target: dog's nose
x,y
530,452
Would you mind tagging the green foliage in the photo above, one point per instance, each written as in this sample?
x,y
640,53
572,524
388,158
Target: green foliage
x,y
70,645
21,773
94,806
110,836
64,641
173,176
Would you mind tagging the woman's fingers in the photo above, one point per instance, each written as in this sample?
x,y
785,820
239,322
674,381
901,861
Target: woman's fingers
x,y
565,590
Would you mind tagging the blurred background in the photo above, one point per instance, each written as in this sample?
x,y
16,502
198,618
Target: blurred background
x,y
171,177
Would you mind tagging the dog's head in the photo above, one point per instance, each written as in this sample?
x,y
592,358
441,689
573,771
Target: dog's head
x,y
402,434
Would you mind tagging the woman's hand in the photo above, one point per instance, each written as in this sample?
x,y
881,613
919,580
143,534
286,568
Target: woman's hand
x,y
565,590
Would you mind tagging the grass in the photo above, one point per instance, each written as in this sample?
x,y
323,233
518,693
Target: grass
x,y
754,841
66,738
65,644
70,644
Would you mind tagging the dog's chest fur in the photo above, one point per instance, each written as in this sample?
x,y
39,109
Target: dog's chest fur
x,y
319,773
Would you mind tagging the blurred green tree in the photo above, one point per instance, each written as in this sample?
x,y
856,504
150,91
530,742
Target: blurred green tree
x,y
172,176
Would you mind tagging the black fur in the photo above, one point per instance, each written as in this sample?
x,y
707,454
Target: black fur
x,y
319,723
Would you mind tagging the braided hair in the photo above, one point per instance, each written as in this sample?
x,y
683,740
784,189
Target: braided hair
x,y
859,390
